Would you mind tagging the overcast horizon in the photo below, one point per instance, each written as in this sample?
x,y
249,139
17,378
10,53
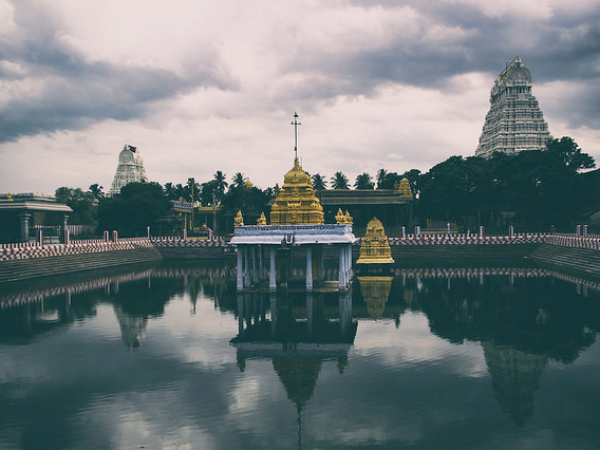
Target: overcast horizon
x,y
201,86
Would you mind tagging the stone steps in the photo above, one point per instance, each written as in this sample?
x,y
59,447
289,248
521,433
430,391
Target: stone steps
x,y
24,269
573,259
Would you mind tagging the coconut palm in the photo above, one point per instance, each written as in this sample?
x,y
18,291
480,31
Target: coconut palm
x,y
363,181
239,180
220,184
339,181
319,183
381,173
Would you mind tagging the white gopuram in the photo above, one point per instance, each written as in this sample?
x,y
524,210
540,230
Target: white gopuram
x,y
515,121
129,170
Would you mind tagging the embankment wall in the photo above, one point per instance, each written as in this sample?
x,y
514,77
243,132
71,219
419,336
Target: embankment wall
x,y
575,254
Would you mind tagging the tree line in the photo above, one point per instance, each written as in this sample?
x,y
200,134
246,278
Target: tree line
x,y
531,190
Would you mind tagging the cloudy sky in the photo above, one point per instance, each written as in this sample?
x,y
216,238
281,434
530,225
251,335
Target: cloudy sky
x,y
199,86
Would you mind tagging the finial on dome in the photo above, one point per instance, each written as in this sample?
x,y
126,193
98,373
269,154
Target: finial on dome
x,y
296,123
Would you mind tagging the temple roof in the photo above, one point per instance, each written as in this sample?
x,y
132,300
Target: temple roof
x,y
296,203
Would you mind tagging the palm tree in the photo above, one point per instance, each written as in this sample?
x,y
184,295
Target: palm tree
x,y
170,191
239,180
96,191
363,181
220,184
381,173
319,183
339,181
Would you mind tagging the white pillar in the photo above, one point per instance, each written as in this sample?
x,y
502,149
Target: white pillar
x,y
309,270
272,270
342,269
261,265
349,263
254,269
247,281
240,265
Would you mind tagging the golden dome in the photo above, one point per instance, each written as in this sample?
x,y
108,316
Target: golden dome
x,y
297,176
296,202
375,247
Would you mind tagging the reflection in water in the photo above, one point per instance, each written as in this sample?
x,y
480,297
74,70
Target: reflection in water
x,y
515,377
375,292
297,336
520,319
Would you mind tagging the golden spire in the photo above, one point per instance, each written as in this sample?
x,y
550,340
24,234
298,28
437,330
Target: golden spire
x,y
262,220
375,247
403,189
296,202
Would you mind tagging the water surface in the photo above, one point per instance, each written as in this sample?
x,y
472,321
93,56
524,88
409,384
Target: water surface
x,y
172,357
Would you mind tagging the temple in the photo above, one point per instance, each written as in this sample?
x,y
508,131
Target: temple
x,y
515,121
129,170
296,229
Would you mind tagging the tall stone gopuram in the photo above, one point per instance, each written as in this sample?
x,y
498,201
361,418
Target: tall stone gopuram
x,y
515,121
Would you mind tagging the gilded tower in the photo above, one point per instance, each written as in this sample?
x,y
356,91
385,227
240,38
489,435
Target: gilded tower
x,y
296,202
515,121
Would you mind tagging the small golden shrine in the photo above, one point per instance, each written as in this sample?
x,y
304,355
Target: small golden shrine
x,y
238,220
403,189
296,202
375,247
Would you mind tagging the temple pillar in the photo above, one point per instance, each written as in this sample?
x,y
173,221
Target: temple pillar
x,y
342,269
247,281
272,270
261,265
25,226
349,262
66,235
240,273
309,270
254,268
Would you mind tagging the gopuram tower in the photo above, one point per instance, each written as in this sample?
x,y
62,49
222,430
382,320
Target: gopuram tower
x,y
129,170
515,121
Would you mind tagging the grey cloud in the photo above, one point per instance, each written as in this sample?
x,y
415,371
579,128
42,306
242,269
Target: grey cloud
x,y
561,48
76,92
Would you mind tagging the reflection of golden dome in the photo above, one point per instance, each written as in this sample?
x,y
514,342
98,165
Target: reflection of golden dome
x,y
375,292
299,377
375,247
296,203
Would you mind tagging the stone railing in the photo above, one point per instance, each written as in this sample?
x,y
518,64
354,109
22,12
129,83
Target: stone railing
x,y
565,240
11,252
180,242
465,239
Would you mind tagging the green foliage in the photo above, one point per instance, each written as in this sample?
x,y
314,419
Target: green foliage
x,y
82,203
570,153
138,206
246,199
364,181
319,183
340,181
531,189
